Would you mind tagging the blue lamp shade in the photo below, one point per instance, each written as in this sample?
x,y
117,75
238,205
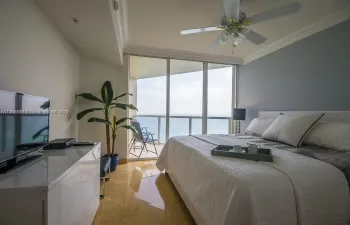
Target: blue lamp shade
x,y
238,114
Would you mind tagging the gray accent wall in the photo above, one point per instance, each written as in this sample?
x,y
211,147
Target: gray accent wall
x,y
311,74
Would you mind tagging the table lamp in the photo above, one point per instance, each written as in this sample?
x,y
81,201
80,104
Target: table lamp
x,y
238,114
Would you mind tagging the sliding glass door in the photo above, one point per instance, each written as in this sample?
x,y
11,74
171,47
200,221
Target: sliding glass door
x,y
148,86
179,97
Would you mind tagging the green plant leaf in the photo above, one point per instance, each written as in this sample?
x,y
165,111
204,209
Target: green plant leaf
x,y
122,95
131,106
123,106
89,96
98,120
114,119
122,120
119,105
83,113
129,128
107,93
114,123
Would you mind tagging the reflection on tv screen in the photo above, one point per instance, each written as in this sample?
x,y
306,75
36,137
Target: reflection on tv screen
x,y
24,123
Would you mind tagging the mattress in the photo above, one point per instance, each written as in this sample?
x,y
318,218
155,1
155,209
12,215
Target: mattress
x,y
293,190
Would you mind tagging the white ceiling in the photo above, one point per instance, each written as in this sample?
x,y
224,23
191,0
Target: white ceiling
x,y
99,32
152,27
156,24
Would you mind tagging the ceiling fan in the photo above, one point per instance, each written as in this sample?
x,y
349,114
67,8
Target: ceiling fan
x,y
234,23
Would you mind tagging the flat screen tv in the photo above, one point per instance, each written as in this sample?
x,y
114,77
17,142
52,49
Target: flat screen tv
x,y
24,125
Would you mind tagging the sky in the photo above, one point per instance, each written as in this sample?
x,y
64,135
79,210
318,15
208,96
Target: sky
x,y
186,92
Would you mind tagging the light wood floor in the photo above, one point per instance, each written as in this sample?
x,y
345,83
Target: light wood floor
x,y
138,193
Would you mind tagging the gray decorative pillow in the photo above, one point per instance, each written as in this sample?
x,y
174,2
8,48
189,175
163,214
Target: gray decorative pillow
x,y
258,126
291,129
332,135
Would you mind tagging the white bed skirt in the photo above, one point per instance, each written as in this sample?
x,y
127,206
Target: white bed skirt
x,y
186,199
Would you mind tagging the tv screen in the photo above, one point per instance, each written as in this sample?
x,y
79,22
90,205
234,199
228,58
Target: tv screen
x,y
24,123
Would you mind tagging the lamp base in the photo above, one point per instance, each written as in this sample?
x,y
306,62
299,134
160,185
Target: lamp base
x,y
237,127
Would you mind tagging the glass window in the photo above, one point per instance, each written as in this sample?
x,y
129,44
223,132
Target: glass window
x,y
196,126
150,77
219,98
218,126
186,91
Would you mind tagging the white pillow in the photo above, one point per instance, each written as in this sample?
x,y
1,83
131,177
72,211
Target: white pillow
x,y
333,135
291,129
258,126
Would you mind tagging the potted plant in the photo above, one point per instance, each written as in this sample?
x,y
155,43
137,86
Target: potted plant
x,y
108,103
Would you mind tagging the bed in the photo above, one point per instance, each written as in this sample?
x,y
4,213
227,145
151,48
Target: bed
x,y
299,188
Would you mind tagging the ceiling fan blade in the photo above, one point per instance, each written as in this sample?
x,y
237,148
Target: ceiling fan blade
x,y
232,8
213,46
199,30
283,10
256,38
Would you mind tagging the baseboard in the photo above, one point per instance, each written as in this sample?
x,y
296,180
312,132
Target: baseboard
x,y
123,161
142,159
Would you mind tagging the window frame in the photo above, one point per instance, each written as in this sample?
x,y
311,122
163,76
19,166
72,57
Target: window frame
x,y
205,64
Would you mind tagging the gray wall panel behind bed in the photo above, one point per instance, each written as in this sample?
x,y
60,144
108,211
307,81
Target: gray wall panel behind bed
x,y
311,74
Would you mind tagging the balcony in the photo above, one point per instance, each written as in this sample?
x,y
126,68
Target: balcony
x,y
178,126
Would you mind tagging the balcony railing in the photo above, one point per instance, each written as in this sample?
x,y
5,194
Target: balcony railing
x,y
157,125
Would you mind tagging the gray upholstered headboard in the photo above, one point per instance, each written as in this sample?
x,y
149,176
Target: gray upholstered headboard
x,y
335,116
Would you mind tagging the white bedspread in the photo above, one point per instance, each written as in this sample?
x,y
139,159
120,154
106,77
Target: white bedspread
x,y
293,190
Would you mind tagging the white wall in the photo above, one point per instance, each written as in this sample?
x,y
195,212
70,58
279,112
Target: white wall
x,y
93,73
122,86
133,99
36,60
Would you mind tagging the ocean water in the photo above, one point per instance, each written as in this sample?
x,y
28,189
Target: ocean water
x,y
180,126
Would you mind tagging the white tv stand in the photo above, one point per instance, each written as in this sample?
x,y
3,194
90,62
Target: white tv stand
x,y
60,188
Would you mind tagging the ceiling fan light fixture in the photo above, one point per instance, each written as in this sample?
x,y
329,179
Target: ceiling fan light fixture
x,y
236,41
223,40
226,35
